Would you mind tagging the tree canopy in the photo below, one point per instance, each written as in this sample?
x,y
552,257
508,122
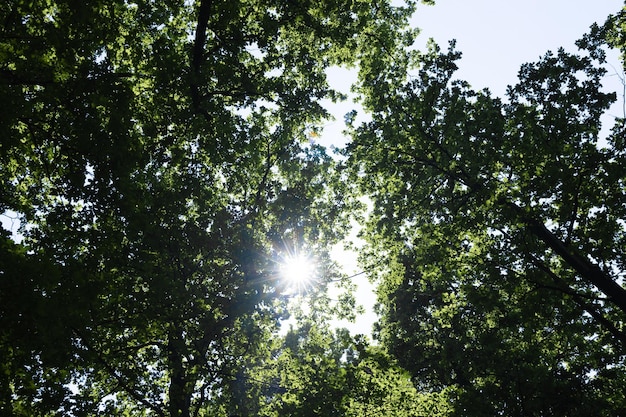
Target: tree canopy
x,y
158,160
502,225
156,154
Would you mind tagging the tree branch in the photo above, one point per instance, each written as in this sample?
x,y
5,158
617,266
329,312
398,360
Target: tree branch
x,y
204,13
585,268
562,286
123,383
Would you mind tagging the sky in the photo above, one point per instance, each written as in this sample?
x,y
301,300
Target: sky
x,y
496,37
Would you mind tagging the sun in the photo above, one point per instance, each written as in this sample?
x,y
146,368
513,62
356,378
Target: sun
x,y
298,270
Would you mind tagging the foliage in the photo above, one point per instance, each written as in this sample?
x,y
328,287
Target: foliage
x,y
614,32
157,156
501,229
314,371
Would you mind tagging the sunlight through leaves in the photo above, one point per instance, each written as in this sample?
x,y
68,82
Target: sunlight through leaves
x,y
298,271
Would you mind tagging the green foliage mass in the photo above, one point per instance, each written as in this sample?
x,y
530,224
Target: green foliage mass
x,y
157,155
501,228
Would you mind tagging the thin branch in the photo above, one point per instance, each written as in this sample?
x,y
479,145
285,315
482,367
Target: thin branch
x,y
139,347
121,380
574,214
11,78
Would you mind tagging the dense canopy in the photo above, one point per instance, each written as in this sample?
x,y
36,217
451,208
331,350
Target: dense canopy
x,y
157,156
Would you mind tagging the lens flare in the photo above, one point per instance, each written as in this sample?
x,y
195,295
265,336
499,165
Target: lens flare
x,y
298,271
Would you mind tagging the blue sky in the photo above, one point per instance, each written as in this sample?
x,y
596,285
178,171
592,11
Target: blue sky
x,y
497,36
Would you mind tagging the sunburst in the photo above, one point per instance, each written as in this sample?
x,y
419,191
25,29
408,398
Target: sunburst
x,y
299,271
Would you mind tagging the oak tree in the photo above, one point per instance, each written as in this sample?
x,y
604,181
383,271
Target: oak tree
x,y
156,154
500,227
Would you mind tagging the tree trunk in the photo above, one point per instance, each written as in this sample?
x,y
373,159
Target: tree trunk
x,y
179,399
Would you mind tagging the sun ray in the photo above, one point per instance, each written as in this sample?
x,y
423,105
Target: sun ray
x,y
298,270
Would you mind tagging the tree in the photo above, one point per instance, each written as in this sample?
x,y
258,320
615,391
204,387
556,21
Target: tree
x,y
156,154
614,31
502,227
315,371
